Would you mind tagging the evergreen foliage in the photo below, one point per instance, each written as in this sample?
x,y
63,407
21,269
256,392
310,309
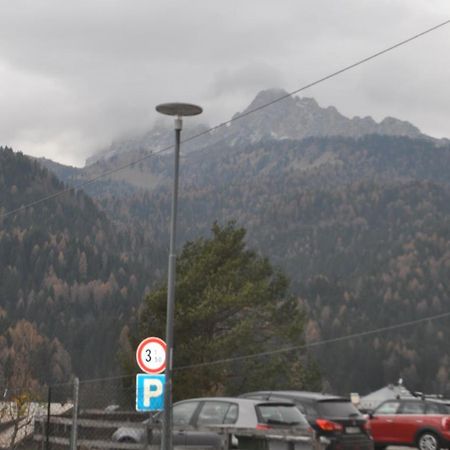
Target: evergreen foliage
x,y
67,277
230,302
369,217
360,226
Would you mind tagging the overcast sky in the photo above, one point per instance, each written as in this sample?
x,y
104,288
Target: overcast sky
x,y
75,75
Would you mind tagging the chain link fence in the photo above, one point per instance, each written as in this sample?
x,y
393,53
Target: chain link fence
x,y
87,415
101,414
69,416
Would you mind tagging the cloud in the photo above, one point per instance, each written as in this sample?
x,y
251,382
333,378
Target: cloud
x,y
251,77
78,75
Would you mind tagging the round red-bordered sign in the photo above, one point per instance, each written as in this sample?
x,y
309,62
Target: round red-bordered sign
x,y
151,355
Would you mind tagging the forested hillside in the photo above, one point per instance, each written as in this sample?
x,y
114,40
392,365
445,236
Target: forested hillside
x,y
386,260
361,227
359,223
295,196
68,277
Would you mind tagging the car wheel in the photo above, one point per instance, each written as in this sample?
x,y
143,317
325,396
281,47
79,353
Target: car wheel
x,y
428,441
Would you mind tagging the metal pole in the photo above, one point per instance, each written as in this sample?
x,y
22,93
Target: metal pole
x,y
167,424
47,428
73,431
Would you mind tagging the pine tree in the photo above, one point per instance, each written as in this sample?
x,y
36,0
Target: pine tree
x,y
230,303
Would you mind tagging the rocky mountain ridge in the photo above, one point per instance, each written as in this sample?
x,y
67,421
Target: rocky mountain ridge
x,y
301,117
292,117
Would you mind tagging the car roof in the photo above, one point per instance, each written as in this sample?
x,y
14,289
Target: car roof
x,y
300,395
437,401
238,400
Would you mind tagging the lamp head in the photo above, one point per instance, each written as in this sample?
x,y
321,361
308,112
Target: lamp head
x,y
179,109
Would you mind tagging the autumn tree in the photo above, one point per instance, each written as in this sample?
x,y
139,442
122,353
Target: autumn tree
x,y
230,304
29,360
26,357
18,412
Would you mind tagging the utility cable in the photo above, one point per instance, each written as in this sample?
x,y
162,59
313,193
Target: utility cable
x,y
347,337
317,343
228,122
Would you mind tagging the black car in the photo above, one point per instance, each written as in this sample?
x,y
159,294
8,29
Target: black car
x,y
338,424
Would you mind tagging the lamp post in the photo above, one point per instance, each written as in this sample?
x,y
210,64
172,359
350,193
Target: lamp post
x,y
178,110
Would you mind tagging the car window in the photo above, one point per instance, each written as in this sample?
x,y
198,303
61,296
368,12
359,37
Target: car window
x,y
434,408
341,408
412,408
305,408
301,408
214,412
183,412
281,414
388,408
232,414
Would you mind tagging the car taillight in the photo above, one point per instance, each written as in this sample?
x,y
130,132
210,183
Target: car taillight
x,y
328,425
446,423
263,426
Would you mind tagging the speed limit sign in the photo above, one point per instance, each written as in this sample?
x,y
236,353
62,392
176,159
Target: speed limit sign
x,y
151,355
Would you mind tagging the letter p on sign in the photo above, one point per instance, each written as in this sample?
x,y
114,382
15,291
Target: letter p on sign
x,y
150,392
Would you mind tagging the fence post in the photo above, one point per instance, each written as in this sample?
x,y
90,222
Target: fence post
x,y
73,431
47,428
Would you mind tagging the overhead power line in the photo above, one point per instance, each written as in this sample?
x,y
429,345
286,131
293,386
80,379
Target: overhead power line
x,y
345,338
317,343
228,122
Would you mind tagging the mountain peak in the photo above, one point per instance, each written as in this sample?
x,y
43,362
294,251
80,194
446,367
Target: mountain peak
x,y
285,117
268,96
294,117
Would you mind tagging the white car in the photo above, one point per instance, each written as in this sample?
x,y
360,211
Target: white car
x,y
192,417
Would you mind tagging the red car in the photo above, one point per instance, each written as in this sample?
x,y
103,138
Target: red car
x,y
424,424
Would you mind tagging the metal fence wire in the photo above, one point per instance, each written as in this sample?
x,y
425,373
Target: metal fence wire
x,y
86,415
101,415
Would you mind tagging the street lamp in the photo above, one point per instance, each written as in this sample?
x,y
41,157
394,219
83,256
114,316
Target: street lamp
x,y
178,110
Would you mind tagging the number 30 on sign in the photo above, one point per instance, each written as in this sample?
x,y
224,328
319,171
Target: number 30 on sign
x,y
151,355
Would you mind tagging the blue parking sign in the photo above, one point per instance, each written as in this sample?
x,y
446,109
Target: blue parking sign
x,y
150,392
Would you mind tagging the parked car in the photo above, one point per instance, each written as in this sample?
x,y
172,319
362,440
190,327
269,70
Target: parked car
x,y
336,421
217,412
424,424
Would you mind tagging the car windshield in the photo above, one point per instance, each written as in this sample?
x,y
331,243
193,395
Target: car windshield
x,y
338,408
281,414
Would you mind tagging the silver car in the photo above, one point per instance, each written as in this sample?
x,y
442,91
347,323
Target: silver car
x,y
207,412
